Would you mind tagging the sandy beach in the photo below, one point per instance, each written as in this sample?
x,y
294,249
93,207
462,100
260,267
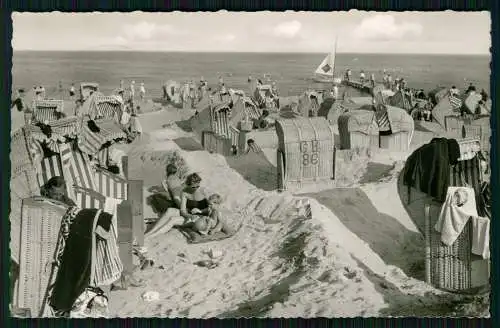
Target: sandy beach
x,y
320,253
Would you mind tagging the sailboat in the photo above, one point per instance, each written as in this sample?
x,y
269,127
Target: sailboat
x,y
324,73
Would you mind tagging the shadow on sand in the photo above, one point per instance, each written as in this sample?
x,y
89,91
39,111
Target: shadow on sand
x,y
376,172
185,125
256,169
188,144
427,305
385,235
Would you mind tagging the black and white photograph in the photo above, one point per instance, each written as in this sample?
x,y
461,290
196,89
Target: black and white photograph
x,y
250,164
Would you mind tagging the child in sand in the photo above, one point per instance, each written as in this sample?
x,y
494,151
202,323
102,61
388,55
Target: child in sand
x,y
213,222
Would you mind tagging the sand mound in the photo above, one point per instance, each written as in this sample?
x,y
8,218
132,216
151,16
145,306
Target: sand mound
x,y
292,257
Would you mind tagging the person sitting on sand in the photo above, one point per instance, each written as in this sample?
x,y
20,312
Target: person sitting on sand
x,y
173,184
193,199
213,222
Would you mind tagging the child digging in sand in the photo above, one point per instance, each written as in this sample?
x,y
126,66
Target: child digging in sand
x,y
212,223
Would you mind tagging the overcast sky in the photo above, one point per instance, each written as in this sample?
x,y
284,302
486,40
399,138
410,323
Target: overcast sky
x,y
363,32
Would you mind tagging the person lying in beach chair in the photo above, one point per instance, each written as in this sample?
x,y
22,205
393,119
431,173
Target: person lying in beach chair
x,y
55,189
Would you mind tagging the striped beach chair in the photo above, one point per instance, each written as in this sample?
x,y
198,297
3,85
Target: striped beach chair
x,y
47,110
456,103
91,142
86,88
107,107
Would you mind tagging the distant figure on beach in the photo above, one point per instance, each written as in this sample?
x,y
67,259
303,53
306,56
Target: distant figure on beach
x,y
348,74
454,91
72,90
335,91
132,89
19,101
274,89
142,91
249,79
484,95
362,76
262,122
389,81
372,79
471,88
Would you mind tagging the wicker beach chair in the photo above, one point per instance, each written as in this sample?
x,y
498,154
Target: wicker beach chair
x,y
47,110
86,88
451,267
40,224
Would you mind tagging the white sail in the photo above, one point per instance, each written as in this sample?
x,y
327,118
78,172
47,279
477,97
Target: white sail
x,y
327,66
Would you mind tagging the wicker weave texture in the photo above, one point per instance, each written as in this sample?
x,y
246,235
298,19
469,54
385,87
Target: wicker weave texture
x,y
40,224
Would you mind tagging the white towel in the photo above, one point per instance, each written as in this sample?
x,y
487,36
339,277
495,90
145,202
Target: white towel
x,y
125,118
481,236
111,207
453,218
136,125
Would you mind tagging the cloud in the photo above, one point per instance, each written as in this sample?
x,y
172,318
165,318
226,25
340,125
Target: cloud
x,y
287,29
146,31
385,28
225,38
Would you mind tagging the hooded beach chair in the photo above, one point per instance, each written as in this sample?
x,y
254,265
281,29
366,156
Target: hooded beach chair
x,y
46,111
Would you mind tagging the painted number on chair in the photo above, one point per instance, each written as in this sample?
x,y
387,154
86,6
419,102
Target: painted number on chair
x,y
310,152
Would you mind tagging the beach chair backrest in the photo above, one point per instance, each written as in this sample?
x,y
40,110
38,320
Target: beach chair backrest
x,y
40,224
107,107
48,168
88,198
77,165
110,184
47,110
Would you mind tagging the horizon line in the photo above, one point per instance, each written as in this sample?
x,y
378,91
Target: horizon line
x,y
252,52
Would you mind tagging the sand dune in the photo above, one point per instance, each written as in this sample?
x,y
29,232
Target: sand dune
x,y
333,253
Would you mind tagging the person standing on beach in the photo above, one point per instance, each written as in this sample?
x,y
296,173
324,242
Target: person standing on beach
x,y
132,97
19,101
335,91
362,76
72,91
389,81
372,79
142,91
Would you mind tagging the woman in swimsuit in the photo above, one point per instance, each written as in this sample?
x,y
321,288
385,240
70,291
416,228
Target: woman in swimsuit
x,y
193,199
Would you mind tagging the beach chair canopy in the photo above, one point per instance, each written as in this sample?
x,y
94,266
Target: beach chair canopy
x,y
91,142
46,110
400,120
